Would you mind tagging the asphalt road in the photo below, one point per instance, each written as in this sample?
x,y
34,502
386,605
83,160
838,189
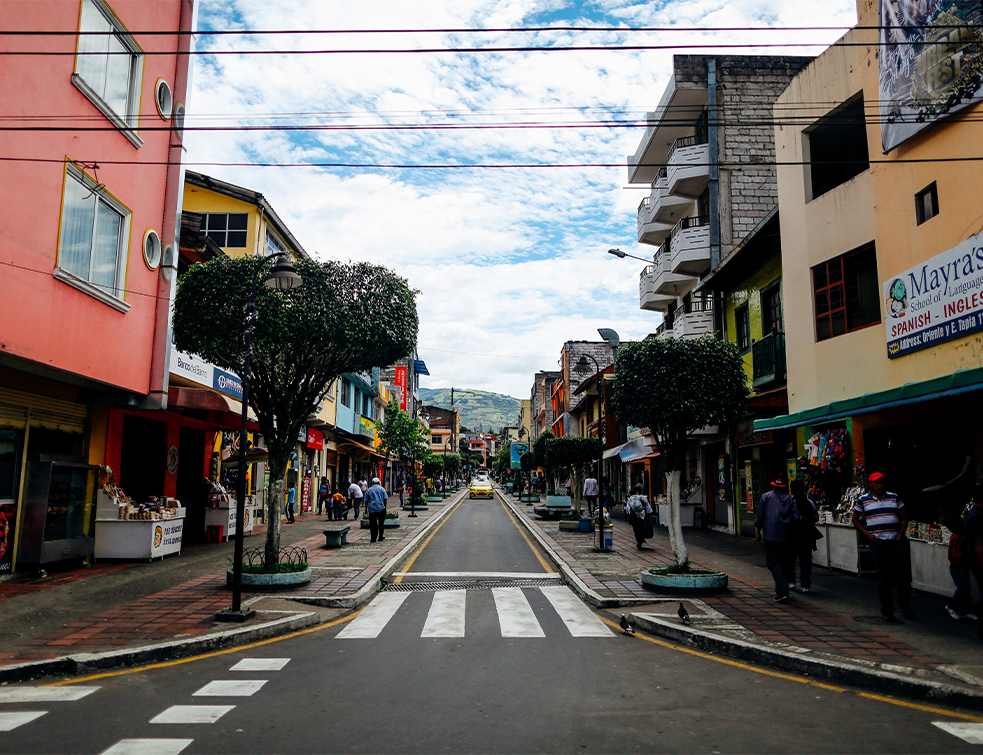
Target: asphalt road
x,y
500,666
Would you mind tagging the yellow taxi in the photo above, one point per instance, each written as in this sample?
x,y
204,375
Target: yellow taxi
x,y
481,487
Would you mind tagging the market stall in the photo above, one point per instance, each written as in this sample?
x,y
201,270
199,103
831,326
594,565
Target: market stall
x,y
220,516
132,530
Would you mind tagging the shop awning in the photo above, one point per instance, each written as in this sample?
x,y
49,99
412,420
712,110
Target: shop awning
x,y
204,400
963,381
630,451
348,446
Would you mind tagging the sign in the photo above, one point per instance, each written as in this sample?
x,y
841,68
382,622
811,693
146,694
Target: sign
x,y
315,439
305,494
8,514
302,434
516,458
936,301
166,536
722,478
172,459
930,61
204,373
748,487
401,386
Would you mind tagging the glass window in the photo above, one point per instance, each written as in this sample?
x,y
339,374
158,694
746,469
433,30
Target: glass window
x,y
846,293
926,204
346,392
227,229
771,309
94,229
838,146
742,324
274,244
109,61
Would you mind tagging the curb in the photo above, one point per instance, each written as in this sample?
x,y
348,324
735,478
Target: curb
x,y
820,669
86,663
365,593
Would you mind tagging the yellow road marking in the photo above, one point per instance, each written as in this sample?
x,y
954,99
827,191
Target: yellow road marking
x,y
799,679
427,541
214,654
522,532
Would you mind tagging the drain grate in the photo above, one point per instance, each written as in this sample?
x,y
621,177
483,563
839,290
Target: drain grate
x,y
475,584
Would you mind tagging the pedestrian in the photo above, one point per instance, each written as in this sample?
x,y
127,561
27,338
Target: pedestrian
x,y
355,495
337,505
773,524
362,484
958,606
637,511
803,535
291,499
399,488
881,518
974,544
590,493
323,494
375,501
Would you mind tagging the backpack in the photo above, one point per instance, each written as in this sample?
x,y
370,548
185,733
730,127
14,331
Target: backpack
x,y
637,506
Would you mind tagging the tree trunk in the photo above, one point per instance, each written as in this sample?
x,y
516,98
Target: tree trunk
x,y
675,518
576,490
274,501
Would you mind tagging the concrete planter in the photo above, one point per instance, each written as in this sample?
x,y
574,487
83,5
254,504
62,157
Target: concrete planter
x,y
280,581
559,501
689,582
388,524
551,512
570,525
407,507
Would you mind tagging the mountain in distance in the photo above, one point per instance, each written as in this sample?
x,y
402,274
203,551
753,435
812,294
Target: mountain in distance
x,y
479,410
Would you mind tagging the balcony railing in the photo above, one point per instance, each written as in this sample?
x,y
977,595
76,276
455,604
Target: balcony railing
x,y
688,141
696,221
768,359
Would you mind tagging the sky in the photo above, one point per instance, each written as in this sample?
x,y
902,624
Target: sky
x,y
509,262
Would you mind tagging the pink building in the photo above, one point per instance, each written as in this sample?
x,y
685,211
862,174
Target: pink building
x,y
91,198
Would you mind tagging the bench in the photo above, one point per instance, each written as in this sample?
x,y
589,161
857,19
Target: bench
x,y
336,538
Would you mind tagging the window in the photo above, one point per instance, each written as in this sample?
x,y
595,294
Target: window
x,y
274,244
771,308
366,405
346,392
926,204
92,248
837,147
846,293
742,324
227,229
109,67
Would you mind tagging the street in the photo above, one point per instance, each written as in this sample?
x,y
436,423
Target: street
x,y
459,666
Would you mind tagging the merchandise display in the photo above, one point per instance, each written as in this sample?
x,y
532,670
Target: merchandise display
x,y
155,508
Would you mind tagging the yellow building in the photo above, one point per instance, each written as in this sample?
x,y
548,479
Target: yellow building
x,y
882,261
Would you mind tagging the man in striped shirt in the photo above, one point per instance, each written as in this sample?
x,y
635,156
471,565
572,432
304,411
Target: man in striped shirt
x,y
881,519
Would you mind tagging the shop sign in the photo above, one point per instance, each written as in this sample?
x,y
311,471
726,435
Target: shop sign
x,y
302,434
517,450
937,301
195,369
722,478
166,537
930,63
227,383
749,488
401,386
315,439
305,494
747,436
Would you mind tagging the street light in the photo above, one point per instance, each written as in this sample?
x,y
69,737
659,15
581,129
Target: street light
x,y
282,277
621,255
582,368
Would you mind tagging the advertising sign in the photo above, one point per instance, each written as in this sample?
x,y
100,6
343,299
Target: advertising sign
x,y
936,301
930,61
401,386
517,450
166,536
315,439
204,373
8,514
305,494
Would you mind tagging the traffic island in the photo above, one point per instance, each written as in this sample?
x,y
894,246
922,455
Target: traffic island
x,y
673,578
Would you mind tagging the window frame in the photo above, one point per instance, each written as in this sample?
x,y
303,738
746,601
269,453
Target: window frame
x,y
129,122
843,283
772,289
274,244
742,312
930,192
346,399
826,174
72,278
209,232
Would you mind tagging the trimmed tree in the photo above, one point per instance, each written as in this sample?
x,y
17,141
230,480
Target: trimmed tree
x,y
674,387
574,454
402,437
346,317
452,465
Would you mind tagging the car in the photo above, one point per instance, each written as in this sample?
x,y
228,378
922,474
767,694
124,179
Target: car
x,y
481,489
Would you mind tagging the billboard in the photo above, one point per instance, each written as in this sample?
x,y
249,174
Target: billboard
x,y
935,301
401,386
517,450
930,61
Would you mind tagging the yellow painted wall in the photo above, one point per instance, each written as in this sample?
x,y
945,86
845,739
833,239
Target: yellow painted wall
x,y
749,290
197,199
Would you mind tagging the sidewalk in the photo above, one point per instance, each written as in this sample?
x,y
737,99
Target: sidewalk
x,y
116,613
835,632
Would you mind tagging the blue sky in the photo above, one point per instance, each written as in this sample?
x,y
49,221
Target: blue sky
x,y
510,263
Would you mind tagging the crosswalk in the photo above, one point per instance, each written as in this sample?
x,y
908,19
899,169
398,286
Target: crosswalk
x,y
447,612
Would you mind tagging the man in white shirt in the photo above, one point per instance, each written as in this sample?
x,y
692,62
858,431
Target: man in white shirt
x,y
355,497
590,493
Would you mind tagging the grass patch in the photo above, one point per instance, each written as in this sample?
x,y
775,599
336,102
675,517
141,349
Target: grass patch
x,y
677,569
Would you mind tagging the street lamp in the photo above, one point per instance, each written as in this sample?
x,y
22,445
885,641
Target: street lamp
x,y
282,277
582,368
621,255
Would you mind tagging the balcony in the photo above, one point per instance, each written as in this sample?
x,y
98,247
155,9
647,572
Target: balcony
x,y
690,241
768,360
688,171
668,282
648,298
690,320
651,231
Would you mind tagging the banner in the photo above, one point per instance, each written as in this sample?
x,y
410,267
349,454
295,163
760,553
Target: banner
x,y
937,301
517,450
401,386
930,61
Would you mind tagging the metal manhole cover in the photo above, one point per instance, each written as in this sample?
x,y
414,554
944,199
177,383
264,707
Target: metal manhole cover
x,y
477,584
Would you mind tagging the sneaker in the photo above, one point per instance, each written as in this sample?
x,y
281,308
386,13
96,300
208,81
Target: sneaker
x,y
805,589
971,616
953,613
781,598
792,586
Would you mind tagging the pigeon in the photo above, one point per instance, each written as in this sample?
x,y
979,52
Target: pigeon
x,y
625,626
683,614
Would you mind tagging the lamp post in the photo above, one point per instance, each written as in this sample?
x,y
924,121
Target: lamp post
x,y
621,255
283,277
582,368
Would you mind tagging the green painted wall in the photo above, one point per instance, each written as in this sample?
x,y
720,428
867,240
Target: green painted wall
x,y
749,290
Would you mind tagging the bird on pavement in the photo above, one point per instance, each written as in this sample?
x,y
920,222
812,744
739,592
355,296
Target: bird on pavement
x,y
683,614
625,626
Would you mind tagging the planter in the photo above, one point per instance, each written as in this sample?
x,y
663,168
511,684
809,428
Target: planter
x,y
571,525
419,507
559,501
279,581
551,512
694,581
586,524
435,498
388,524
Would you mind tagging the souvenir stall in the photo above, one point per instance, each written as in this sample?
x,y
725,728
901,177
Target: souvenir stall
x,y
220,516
136,529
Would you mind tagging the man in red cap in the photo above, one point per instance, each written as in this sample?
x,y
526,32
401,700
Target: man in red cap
x,y
881,519
773,523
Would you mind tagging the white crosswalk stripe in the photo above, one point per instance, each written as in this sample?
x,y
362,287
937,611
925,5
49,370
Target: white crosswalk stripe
x,y
578,618
446,617
191,714
148,747
10,720
972,733
44,694
515,615
374,617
